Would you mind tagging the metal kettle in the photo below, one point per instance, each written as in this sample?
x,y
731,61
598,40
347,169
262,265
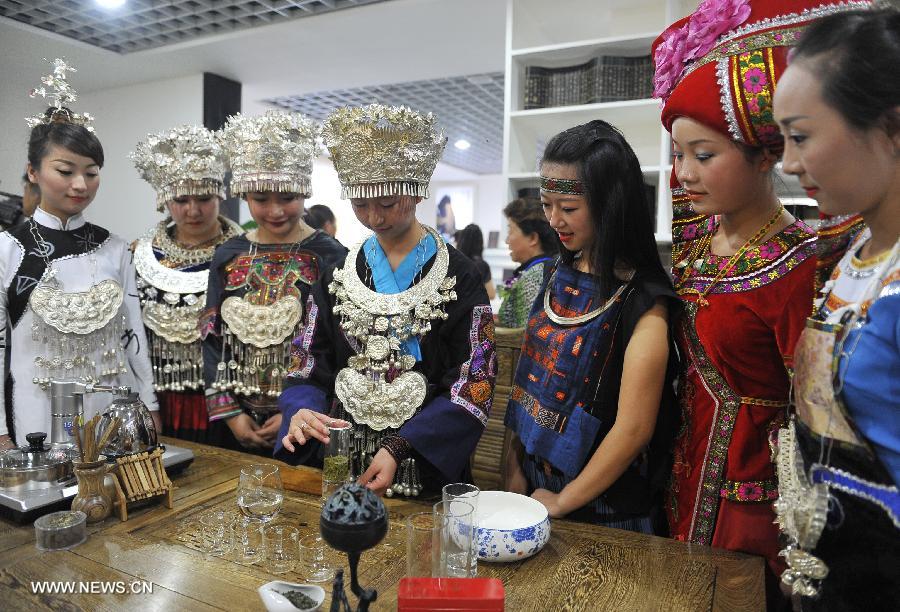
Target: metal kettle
x,y
136,432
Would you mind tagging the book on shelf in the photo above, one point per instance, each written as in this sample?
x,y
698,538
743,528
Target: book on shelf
x,y
601,79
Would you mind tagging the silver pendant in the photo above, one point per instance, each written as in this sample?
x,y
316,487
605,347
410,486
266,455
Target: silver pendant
x,y
377,403
78,312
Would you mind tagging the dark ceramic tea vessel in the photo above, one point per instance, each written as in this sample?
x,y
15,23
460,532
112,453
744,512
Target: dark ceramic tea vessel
x,y
354,520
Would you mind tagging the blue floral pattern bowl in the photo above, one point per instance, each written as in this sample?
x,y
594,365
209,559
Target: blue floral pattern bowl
x,y
510,527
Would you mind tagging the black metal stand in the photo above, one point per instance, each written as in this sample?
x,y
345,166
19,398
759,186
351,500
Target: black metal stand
x,y
353,520
339,600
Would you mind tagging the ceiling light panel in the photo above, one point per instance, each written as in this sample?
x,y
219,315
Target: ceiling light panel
x,y
144,24
467,107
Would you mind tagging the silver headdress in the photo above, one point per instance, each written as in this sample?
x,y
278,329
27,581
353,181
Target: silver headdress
x,y
186,160
272,152
383,150
62,94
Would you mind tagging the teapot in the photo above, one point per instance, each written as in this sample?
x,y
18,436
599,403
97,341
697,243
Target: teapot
x,y
136,432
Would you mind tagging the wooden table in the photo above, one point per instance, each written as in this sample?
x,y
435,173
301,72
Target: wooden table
x,y
581,568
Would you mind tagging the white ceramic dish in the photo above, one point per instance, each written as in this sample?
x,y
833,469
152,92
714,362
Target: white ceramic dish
x,y
511,527
269,592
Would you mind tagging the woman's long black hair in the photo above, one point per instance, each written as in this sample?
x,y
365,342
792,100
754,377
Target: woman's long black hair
x,y
618,202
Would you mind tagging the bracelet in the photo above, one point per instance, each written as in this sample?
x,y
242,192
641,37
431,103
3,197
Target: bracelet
x,y
397,446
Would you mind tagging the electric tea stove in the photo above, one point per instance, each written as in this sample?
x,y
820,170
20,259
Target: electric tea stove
x,y
24,505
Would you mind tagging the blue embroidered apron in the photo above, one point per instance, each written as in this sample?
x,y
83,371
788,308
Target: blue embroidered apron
x,y
558,369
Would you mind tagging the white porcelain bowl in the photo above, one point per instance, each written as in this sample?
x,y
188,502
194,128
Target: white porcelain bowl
x,y
274,602
511,527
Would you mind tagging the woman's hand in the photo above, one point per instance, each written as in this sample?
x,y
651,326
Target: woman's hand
x,y
381,472
550,501
245,430
269,430
307,425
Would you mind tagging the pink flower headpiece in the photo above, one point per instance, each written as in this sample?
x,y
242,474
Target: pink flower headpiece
x,y
693,39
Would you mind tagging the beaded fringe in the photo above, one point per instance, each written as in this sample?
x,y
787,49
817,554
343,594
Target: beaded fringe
x,y
250,370
176,367
365,443
95,357
188,187
279,183
388,188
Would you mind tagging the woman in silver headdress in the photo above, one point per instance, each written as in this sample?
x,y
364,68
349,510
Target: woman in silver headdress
x,y
186,167
258,282
401,336
67,305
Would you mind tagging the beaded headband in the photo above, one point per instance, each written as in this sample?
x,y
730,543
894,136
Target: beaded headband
x,y
558,185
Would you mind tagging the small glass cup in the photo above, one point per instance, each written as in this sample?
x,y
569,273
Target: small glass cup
x,y
423,544
461,491
336,464
260,492
282,544
249,540
456,537
314,555
217,532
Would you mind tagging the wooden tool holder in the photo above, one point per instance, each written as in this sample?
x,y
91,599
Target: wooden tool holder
x,y
141,476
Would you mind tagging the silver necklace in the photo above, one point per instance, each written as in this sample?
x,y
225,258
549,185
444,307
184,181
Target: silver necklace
x,y
380,323
588,316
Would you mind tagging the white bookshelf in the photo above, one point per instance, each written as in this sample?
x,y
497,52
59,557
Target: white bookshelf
x,y
569,32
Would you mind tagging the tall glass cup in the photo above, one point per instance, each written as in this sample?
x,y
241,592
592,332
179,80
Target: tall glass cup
x,y
336,464
457,536
461,491
424,531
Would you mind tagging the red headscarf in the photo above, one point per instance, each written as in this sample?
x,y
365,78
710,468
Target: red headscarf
x,y
720,64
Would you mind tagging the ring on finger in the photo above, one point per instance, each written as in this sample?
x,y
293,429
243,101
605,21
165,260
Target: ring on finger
x,y
303,426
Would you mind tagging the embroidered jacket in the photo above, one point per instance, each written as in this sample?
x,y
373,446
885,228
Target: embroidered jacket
x,y
457,359
261,274
82,255
733,387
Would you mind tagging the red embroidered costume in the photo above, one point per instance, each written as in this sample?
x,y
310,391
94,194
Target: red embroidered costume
x,y
719,67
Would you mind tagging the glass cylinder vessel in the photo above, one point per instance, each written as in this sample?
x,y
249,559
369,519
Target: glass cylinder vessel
x,y
336,464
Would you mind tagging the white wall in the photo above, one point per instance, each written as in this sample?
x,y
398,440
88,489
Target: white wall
x,y
125,203
490,198
15,105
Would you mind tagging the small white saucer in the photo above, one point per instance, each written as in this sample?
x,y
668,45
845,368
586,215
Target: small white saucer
x,y
274,602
